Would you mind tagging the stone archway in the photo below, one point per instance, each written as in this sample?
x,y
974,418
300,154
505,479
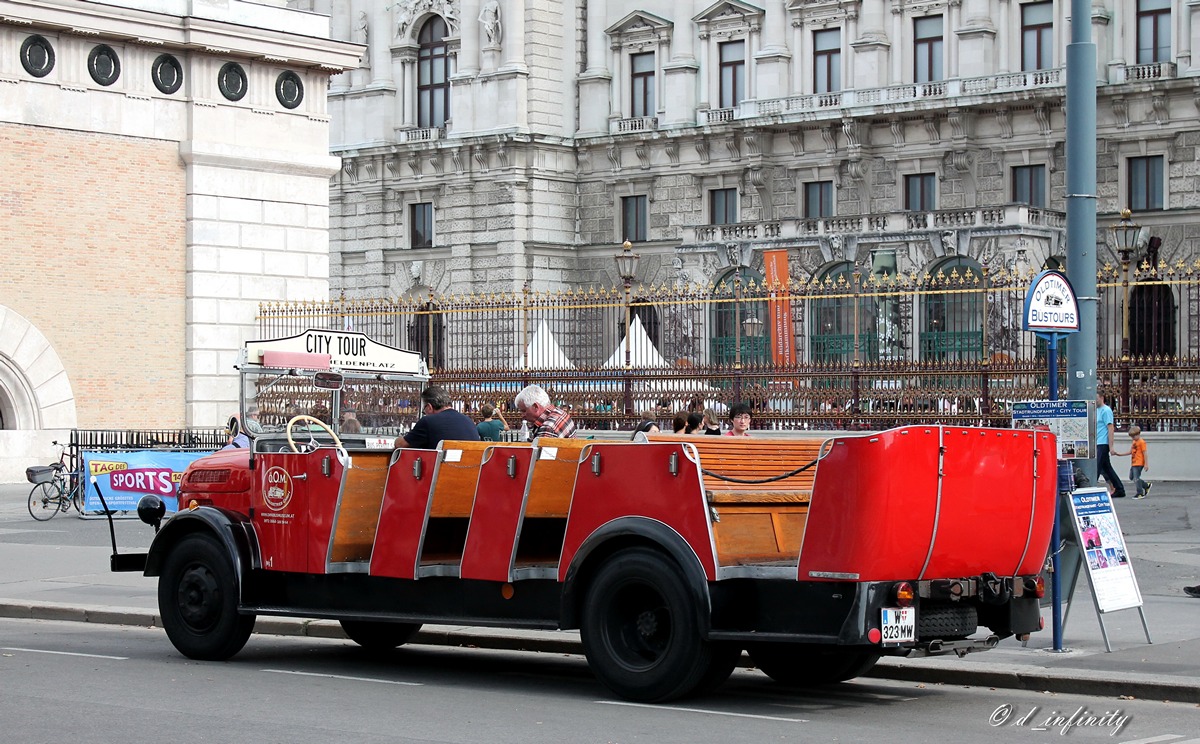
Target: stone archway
x,y
35,390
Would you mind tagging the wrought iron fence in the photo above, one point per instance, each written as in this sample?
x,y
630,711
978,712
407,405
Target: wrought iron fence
x,y
845,350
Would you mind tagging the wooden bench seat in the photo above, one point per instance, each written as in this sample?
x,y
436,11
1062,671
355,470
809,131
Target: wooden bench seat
x,y
553,478
457,475
358,512
755,523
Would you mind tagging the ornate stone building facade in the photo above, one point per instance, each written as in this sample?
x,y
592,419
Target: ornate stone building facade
x,y
880,136
166,169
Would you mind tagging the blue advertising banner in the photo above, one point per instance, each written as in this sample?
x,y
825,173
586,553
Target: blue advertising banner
x,y
124,477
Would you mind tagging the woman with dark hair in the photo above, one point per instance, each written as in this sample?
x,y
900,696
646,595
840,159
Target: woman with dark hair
x,y
679,423
645,427
695,421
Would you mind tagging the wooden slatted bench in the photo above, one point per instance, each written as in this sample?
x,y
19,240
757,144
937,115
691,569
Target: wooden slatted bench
x,y
456,476
755,522
358,515
553,477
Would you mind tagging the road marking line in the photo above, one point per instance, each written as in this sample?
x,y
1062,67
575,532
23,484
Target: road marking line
x,y
1152,739
702,710
63,653
342,676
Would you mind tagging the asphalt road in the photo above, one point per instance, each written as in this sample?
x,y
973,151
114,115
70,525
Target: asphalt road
x,y
70,682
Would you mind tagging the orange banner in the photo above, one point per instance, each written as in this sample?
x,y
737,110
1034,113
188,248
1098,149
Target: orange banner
x,y
780,311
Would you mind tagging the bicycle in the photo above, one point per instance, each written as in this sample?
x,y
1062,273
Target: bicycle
x,y
55,488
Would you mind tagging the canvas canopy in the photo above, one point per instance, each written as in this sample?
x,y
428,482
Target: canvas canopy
x,y
544,351
642,352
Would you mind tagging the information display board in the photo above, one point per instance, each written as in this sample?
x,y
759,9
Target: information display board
x,y
1072,421
1104,554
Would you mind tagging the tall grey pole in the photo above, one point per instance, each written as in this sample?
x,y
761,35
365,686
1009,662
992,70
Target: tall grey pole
x,y
1081,203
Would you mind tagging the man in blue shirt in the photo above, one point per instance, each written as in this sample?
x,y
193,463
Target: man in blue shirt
x,y
439,422
1105,431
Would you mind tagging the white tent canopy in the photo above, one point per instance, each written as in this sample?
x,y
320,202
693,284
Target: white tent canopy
x,y
641,350
544,351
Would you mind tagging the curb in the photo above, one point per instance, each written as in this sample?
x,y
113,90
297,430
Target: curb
x,y
976,675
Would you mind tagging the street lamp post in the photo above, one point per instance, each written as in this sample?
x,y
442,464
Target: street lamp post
x,y
737,335
1125,236
856,363
627,263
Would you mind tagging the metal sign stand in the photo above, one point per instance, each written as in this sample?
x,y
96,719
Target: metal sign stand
x,y
1133,597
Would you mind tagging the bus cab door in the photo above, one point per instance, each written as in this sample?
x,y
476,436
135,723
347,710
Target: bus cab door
x,y
293,509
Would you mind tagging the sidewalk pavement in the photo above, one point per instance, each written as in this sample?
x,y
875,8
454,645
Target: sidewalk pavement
x,y
44,578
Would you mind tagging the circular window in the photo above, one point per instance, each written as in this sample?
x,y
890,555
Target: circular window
x,y
167,74
103,65
232,81
289,89
37,56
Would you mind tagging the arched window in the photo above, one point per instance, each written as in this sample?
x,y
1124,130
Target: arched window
x,y
952,313
831,334
735,318
433,75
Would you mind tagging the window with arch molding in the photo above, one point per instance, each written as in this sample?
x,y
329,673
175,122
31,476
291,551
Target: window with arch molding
x,y
433,74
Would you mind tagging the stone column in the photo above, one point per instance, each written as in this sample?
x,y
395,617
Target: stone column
x,y
772,63
380,40
513,35
679,76
1004,63
898,53
408,90
339,26
950,23
976,39
1183,59
468,52
594,94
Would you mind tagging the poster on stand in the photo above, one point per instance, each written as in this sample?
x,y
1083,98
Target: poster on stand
x,y
1105,556
125,477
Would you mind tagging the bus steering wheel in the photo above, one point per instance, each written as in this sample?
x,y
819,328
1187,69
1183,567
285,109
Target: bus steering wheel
x,y
336,441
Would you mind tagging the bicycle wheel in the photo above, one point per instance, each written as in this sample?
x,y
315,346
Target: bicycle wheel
x,y
44,501
77,496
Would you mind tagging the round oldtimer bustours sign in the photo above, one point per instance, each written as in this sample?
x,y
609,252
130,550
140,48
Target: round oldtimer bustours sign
x,y
278,493
1050,305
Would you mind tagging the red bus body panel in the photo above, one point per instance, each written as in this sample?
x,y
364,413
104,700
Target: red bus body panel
x,y
403,514
878,513
636,481
496,515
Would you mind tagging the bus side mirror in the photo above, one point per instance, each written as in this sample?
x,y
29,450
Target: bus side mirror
x,y
234,427
327,381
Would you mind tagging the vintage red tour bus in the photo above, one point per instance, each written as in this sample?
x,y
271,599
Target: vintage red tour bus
x,y
671,556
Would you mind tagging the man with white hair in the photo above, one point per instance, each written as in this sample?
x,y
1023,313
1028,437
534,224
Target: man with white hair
x,y
547,421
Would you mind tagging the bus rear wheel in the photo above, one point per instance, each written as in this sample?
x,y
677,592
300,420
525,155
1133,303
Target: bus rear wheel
x,y
641,632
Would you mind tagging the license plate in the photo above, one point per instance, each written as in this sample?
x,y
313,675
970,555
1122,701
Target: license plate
x,y
899,625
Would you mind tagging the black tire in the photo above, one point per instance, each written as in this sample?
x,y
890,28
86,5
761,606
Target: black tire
x,y
640,630
77,496
379,636
198,598
800,664
44,501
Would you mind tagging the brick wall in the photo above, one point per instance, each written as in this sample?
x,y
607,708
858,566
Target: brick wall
x,y
93,254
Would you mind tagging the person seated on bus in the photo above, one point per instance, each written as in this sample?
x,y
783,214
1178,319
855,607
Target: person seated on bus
x,y
350,423
739,420
440,422
647,426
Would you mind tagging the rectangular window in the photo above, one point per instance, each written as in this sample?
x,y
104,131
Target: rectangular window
x,y
1146,183
920,192
1029,185
633,218
827,61
723,204
641,78
927,49
733,73
1153,31
818,199
1037,36
421,232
